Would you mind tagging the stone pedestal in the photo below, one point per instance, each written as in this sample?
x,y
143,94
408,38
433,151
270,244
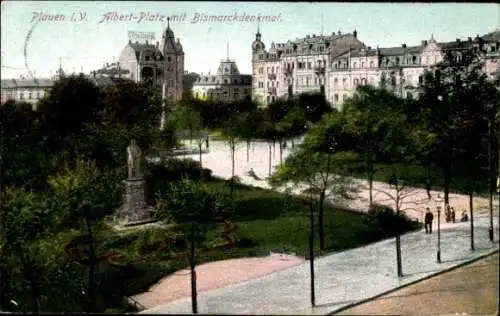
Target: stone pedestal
x,y
134,210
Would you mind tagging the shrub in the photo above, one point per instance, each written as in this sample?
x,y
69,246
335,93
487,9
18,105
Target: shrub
x,y
159,176
390,222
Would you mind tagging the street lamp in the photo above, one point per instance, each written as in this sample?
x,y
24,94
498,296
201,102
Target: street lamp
x,y
311,191
439,235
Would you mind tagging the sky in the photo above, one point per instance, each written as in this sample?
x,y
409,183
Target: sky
x,y
84,40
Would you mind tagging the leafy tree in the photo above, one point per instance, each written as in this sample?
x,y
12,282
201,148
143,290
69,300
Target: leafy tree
x,y
320,172
24,218
195,210
446,91
84,196
375,123
24,160
314,105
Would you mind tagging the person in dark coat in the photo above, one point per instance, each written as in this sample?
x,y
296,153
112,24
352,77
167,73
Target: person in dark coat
x,y
429,217
453,215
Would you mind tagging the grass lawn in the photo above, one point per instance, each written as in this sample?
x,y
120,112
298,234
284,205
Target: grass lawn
x,y
264,221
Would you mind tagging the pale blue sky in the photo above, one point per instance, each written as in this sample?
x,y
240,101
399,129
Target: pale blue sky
x,y
89,44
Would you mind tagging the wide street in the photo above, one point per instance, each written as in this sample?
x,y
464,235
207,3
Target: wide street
x,y
343,278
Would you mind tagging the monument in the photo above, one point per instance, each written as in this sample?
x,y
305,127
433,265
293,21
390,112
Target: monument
x,y
134,210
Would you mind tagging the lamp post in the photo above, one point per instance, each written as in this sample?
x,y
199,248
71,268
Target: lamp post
x,y
439,235
311,249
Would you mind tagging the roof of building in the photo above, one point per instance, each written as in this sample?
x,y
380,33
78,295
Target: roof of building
x,y
492,36
227,67
400,50
27,83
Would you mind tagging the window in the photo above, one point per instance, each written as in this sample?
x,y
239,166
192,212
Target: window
x,y
169,58
30,96
315,80
356,82
344,83
335,83
354,65
235,81
420,79
261,70
21,96
277,84
38,95
225,81
344,97
397,60
307,80
261,84
268,98
336,97
272,69
277,69
363,81
363,65
414,59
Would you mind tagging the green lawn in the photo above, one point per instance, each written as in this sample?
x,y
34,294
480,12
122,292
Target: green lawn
x,y
264,221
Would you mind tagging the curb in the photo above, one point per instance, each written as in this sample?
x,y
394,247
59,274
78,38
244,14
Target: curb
x,y
413,282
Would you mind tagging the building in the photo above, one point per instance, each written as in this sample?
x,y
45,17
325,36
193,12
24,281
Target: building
x,y
296,66
226,85
162,64
335,65
25,90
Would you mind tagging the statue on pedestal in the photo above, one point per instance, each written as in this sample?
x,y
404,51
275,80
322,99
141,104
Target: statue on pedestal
x,y
134,161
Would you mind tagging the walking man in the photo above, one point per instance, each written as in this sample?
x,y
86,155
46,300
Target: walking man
x,y
428,221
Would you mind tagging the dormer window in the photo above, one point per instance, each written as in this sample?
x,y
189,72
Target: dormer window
x,y
169,59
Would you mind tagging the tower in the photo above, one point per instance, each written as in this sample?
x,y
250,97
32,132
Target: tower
x,y
173,68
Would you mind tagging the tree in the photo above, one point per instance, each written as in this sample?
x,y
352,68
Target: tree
x,y
320,172
445,92
195,210
398,184
84,196
372,117
24,218
24,163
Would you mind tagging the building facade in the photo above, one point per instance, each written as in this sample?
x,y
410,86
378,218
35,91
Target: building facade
x,y
296,66
25,90
162,64
226,85
335,65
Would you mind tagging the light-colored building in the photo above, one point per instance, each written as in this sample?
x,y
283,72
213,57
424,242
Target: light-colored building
x,y
335,65
161,64
25,90
296,67
226,85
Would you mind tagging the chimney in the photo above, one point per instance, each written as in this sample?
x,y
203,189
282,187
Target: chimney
x,y
404,45
314,35
355,34
339,33
424,43
137,42
458,40
369,48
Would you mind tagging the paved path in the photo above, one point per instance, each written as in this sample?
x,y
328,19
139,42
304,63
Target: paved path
x,y
347,277
469,290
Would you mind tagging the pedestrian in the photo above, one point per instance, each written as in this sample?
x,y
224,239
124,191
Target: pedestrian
x,y
428,221
453,215
464,217
448,213
428,188
206,142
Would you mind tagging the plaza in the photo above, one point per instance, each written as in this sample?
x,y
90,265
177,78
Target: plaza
x,y
342,278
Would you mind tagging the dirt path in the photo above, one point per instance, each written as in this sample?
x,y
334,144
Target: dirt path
x,y
469,290
213,275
